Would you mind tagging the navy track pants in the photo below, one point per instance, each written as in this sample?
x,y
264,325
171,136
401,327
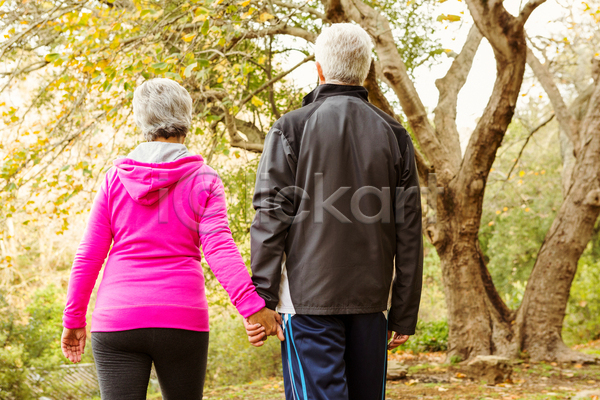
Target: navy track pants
x,y
334,357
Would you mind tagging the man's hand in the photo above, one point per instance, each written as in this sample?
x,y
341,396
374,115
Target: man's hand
x,y
264,323
72,343
397,340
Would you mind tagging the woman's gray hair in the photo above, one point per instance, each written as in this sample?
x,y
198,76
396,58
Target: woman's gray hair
x,y
344,52
162,108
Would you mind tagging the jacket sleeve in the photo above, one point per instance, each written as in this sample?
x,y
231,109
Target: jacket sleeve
x,y
406,288
274,213
88,261
223,256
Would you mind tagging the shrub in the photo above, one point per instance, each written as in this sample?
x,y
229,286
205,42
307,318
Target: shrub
x,y
429,337
30,355
231,358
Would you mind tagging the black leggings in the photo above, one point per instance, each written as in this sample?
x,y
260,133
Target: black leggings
x,y
124,361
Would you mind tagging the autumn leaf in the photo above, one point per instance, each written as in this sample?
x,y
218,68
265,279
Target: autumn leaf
x,y
256,101
189,38
449,18
265,17
51,57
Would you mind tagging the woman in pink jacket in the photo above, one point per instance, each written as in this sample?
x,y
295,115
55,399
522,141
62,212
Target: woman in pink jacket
x,y
157,207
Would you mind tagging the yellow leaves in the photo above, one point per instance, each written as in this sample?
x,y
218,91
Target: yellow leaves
x,y
51,57
147,60
264,17
115,44
197,18
249,13
460,375
246,3
256,101
189,37
448,17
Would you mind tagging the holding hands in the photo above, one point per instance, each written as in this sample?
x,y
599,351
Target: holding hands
x,y
262,324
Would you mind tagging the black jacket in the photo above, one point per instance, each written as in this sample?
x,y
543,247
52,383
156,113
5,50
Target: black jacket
x,y
337,191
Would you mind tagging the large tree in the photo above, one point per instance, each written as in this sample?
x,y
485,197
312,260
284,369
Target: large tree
x,y
87,57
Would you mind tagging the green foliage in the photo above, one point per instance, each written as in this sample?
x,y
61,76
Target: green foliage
x,y
231,358
582,322
414,26
429,337
519,209
30,354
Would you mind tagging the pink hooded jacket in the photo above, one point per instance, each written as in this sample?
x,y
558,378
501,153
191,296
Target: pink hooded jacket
x,y
158,216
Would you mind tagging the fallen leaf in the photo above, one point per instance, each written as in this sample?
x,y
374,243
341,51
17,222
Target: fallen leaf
x,y
460,375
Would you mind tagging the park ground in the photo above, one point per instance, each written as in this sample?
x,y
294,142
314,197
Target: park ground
x,y
429,377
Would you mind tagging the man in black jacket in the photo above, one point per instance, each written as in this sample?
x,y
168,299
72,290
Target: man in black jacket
x,y
338,216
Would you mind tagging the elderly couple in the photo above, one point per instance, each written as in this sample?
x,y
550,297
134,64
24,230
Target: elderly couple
x,y
336,244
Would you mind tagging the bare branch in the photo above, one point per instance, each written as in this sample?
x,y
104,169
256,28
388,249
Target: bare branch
x,y
29,68
273,80
528,9
449,86
534,130
254,135
301,7
281,29
566,120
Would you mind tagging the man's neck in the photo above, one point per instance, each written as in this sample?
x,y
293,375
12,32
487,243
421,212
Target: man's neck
x,y
334,82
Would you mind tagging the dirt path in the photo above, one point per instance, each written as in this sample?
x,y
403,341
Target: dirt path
x,y
429,378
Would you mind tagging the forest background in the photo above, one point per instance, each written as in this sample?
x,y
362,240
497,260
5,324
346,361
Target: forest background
x,y
512,256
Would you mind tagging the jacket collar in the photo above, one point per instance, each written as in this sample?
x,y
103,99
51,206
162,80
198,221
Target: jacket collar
x,y
329,89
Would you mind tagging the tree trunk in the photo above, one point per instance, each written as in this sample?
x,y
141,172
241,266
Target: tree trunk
x,y
542,312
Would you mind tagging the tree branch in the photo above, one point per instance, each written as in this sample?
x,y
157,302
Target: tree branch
x,y
528,9
534,130
281,29
566,120
449,86
301,7
507,37
394,71
273,80
377,98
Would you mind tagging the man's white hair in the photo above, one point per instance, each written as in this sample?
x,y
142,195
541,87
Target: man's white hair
x,y
344,52
162,108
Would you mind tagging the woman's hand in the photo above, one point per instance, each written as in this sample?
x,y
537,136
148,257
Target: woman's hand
x,y
72,343
256,333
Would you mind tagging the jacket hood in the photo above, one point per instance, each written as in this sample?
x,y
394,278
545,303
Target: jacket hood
x,y
143,181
